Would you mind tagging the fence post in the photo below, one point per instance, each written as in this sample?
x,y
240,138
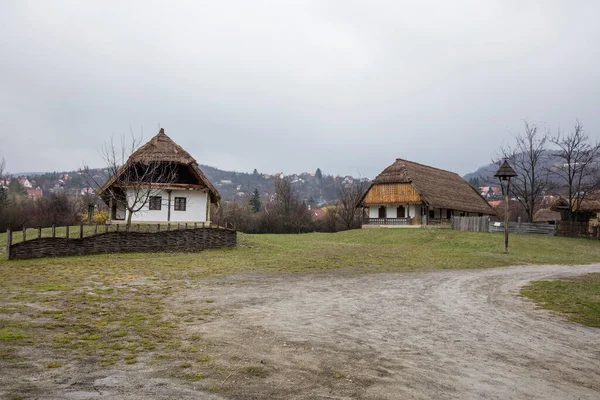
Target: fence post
x,y
195,225
186,225
24,233
519,225
105,228
117,228
53,231
81,231
157,227
96,229
168,227
8,242
67,231
39,232
138,228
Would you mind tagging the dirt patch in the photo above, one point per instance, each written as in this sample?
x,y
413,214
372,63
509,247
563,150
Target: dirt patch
x,y
449,334
342,335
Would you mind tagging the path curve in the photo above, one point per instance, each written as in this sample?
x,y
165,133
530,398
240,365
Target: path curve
x,y
442,334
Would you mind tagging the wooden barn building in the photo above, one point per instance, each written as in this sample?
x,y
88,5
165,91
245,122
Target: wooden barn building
x,y
183,195
411,194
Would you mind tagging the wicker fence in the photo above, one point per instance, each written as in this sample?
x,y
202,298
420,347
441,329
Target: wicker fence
x,y
119,239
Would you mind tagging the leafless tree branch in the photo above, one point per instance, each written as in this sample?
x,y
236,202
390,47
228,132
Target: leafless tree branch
x,y
527,156
133,179
579,165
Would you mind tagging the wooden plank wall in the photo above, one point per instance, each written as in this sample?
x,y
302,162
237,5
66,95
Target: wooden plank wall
x,y
471,224
392,193
483,224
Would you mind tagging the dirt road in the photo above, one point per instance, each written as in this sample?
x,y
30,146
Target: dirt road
x,y
449,334
457,334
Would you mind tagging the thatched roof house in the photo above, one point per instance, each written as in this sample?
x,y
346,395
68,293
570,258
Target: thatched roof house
x,y
407,192
186,190
546,215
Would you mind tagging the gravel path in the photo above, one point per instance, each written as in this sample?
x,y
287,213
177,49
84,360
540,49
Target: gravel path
x,y
446,334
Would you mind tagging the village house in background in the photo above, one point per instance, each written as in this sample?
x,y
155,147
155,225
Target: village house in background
x,y
184,198
411,194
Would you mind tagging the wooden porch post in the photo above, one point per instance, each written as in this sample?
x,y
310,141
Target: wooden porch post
x,y
169,205
8,243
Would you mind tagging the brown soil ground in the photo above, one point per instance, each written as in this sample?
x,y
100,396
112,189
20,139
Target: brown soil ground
x,y
344,335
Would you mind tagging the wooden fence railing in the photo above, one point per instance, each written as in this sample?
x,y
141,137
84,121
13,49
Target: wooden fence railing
x,y
386,221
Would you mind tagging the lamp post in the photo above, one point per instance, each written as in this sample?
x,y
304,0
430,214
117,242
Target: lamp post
x,y
505,172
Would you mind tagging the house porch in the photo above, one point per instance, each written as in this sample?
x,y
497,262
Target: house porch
x,y
409,215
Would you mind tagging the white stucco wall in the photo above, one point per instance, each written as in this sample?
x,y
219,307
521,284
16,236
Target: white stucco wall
x,y
390,212
412,210
373,212
195,207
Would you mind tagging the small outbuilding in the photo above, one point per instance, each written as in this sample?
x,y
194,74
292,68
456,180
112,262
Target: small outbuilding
x,y
411,194
183,195
547,216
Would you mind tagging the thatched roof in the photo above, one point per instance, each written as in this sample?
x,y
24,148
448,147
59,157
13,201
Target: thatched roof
x,y
162,149
438,188
590,204
546,215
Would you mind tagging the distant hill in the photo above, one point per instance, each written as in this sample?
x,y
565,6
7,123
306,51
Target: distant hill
x,y
232,185
485,173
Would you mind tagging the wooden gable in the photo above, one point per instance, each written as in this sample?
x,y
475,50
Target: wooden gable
x,y
392,193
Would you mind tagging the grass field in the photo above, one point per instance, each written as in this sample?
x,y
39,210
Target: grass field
x,y
578,297
108,309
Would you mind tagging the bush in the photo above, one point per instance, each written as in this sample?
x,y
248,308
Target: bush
x,y
99,218
56,209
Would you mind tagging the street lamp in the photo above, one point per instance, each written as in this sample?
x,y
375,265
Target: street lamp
x,y
505,172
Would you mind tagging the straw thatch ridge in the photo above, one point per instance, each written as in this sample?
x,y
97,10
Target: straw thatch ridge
x,y
161,148
546,215
590,204
438,188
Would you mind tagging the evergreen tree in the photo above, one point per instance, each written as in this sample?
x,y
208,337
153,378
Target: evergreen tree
x,y
15,187
318,174
255,201
3,196
255,172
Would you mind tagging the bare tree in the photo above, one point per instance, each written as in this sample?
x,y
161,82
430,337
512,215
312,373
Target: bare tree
x,y
527,156
3,190
348,210
133,179
579,165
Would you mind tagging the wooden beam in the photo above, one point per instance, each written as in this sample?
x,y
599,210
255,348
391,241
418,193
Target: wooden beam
x,y
8,242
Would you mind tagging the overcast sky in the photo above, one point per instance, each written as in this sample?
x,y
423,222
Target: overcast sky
x,y
290,86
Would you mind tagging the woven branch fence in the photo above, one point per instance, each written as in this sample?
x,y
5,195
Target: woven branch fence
x,y
118,239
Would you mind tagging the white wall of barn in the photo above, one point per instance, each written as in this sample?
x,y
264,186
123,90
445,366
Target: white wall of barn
x,y
196,209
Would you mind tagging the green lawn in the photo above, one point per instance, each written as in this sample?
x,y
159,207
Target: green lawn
x,y
578,297
107,309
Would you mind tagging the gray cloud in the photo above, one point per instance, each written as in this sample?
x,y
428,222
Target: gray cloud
x,y
292,86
